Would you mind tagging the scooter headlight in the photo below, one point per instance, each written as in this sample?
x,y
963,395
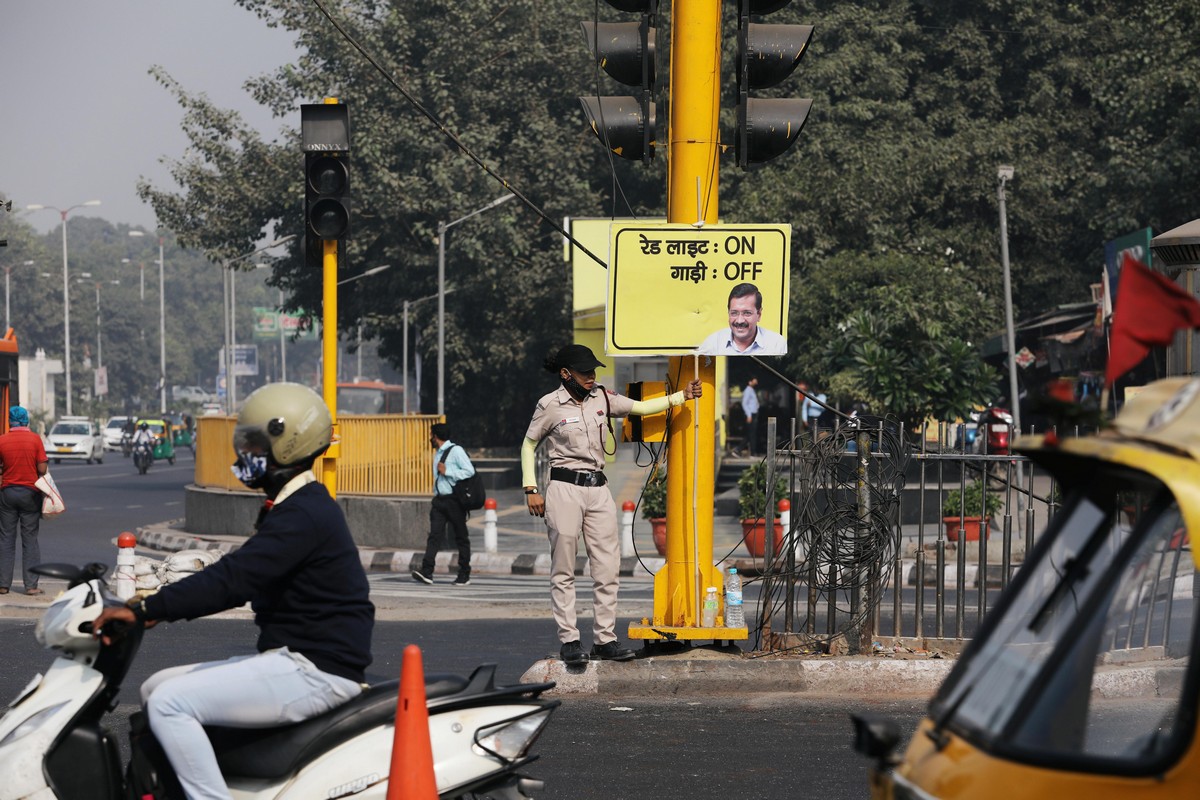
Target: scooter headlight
x,y
512,739
32,724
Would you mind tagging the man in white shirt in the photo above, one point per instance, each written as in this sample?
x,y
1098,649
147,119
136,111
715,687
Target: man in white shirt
x,y
744,336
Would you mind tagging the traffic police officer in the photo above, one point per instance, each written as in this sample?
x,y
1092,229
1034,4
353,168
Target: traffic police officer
x,y
574,419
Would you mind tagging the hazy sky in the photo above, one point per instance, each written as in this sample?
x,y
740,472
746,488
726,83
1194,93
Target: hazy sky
x,y
83,120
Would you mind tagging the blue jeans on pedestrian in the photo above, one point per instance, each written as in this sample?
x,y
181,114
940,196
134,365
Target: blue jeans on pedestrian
x,y
20,514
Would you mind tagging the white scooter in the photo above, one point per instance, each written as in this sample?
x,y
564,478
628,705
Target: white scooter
x,y
54,743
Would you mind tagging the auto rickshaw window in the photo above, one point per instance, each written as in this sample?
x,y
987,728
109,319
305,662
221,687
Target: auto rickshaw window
x,y
1116,695
1086,662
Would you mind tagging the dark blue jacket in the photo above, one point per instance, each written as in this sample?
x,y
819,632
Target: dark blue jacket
x,y
302,575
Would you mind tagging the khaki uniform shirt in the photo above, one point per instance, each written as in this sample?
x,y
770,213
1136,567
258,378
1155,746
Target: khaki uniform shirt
x,y
576,433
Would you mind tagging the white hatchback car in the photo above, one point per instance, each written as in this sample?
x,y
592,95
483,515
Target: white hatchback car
x,y
113,430
75,439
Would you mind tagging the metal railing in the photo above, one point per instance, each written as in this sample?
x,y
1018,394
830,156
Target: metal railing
x,y
387,454
867,554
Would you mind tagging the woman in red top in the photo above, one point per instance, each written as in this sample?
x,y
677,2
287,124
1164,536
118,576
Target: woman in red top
x,y
23,460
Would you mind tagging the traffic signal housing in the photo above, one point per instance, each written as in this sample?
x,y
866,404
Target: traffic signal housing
x,y
626,51
766,56
325,139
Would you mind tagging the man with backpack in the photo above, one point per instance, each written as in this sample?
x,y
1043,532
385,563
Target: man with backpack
x,y
451,465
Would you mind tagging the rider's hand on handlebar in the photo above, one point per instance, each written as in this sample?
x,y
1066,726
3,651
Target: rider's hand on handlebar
x,y
124,618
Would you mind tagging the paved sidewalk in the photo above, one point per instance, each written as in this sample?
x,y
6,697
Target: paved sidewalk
x,y
522,547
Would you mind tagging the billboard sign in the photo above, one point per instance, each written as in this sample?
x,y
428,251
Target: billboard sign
x,y
679,290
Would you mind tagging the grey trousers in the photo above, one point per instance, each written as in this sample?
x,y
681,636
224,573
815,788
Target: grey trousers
x,y
20,514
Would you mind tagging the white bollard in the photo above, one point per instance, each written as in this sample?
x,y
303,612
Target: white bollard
x,y
489,525
627,528
123,578
785,521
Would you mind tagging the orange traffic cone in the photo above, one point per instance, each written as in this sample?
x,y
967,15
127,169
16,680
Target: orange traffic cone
x,y
411,774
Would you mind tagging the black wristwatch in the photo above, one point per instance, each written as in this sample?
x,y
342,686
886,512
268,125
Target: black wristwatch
x,y
531,491
138,607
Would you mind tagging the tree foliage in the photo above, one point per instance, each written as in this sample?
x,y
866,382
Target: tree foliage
x,y
916,104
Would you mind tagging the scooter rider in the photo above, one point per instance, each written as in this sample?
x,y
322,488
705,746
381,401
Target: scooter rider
x,y
302,574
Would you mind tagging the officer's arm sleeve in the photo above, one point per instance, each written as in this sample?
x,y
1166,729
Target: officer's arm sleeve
x,y
657,405
528,457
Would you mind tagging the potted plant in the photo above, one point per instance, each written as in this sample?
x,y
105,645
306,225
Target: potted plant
x,y
654,508
971,502
752,503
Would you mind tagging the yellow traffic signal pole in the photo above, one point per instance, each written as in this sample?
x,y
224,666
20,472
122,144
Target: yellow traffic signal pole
x,y
694,146
329,354
329,350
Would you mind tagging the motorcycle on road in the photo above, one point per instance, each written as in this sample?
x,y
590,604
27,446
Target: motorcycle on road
x,y
143,457
54,742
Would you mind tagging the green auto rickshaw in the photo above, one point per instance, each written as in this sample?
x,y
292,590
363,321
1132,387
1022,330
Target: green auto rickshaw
x,y
164,444
182,433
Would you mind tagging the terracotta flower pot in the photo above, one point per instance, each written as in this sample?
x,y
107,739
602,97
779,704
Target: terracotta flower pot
x,y
658,529
754,535
971,527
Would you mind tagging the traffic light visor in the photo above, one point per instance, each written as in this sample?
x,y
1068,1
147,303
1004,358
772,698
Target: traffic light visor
x,y
767,127
329,218
621,123
328,175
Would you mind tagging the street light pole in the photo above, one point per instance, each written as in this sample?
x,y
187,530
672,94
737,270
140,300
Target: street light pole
x,y
229,307
404,352
442,228
162,332
66,289
162,324
1005,174
360,276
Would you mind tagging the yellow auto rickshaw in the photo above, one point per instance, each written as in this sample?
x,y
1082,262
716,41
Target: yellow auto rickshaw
x,y
1084,681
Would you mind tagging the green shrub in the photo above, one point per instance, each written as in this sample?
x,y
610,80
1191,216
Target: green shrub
x,y
752,488
654,497
975,495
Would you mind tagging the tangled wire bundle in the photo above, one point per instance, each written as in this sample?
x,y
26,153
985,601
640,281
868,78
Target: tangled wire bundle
x,y
844,534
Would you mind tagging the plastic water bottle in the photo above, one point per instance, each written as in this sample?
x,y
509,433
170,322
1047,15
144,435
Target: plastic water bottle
x,y
708,617
735,615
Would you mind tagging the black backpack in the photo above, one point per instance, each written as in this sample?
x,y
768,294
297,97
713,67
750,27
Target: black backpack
x,y
469,492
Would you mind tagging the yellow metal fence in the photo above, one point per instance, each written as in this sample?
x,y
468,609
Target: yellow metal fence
x,y
388,454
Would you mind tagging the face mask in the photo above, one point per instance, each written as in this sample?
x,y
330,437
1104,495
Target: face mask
x,y
574,387
250,469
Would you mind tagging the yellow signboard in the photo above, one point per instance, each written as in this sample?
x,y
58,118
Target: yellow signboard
x,y
716,290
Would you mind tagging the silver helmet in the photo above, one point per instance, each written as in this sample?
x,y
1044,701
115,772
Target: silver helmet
x,y
289,421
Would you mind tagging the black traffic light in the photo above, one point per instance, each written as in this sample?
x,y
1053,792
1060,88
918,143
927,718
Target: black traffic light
x,y
626,51
766,55
325,139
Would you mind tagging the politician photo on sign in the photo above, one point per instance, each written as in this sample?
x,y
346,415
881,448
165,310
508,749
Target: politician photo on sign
x,y
744,336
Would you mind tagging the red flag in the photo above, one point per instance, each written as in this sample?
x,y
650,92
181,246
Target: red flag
x,y
1150,308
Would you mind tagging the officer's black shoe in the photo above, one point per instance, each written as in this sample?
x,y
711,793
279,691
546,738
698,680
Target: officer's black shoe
x,y
421,577
611,651
572,653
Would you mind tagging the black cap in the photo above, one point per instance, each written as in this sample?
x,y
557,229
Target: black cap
x,y
578,358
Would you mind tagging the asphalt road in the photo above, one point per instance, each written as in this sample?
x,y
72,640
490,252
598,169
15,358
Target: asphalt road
x,y
696,746
734,744
105,499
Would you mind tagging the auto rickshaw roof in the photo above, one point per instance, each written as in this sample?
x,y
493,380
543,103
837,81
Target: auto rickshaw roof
x,y
1157,432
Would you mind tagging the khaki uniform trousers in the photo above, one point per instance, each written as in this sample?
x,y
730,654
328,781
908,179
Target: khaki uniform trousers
x,y
590,510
